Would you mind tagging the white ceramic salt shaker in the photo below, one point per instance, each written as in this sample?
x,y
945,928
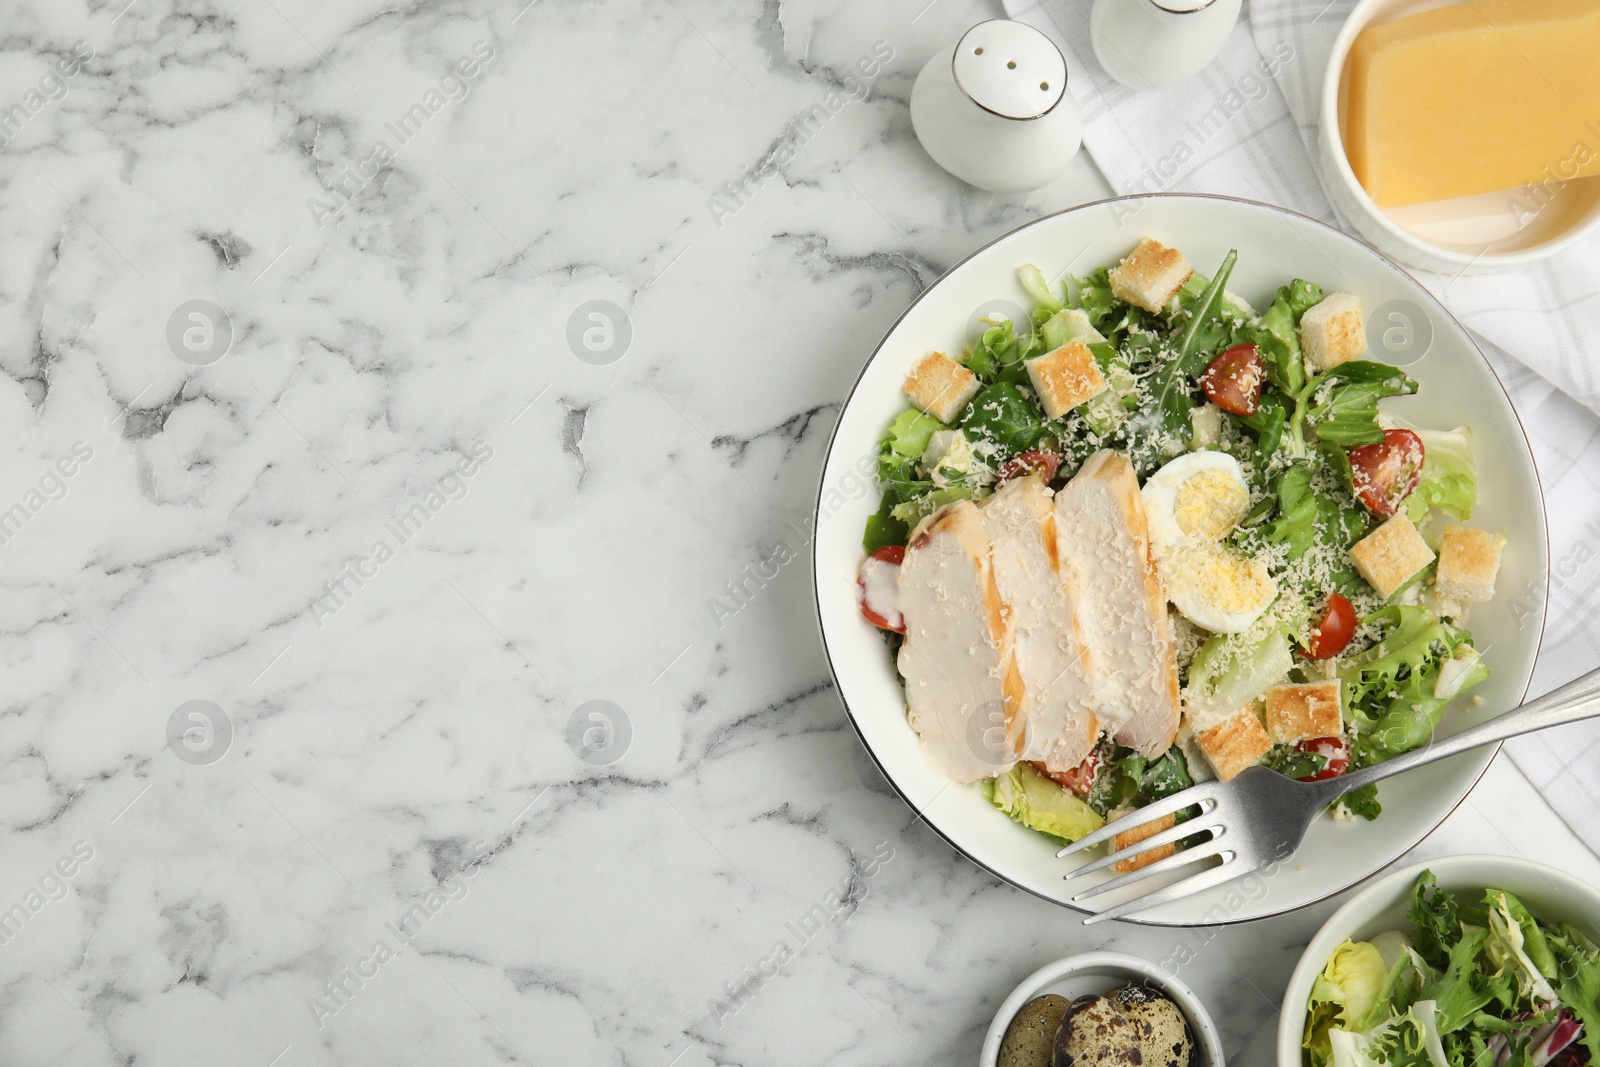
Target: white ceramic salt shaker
x,y
1151,44
994,109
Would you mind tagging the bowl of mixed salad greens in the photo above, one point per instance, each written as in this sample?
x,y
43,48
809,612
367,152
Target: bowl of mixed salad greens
x,y
1313,454
1465,961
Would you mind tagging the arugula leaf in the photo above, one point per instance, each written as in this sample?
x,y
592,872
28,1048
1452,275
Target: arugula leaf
x,y
1173,384
1345,412
1201,315
1269,422
1165,776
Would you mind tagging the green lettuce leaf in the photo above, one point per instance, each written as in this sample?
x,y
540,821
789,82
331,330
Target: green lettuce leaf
x,y
1578,981
998,354
1231,670
1349,984
1389,688
1033,280
914,509
1094,297
1344,409
1040,804
1435,916
883,529
1449,476
1001,414
909,433
1278,338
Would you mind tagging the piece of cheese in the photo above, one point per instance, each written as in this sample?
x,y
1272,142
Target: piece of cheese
x,y
1475,97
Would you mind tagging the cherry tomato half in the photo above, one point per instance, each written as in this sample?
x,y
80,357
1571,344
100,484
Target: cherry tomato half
x,y
1335,749
1233,381
1385,474
1334,630
1045,464
877,588
1080,779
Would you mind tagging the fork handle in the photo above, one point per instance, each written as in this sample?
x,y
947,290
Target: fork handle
x,y
1577,700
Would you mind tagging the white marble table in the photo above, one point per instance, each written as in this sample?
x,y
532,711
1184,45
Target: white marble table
x,y
294,430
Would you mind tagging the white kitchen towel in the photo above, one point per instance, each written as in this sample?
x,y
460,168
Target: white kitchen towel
x,y
1245,126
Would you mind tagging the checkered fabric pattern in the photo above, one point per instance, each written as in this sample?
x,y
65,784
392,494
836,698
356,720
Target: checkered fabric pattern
x,y
1246,126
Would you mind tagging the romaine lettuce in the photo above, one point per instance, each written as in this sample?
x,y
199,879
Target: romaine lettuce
x,y
1033,280
1449,477
1231,670
1040,804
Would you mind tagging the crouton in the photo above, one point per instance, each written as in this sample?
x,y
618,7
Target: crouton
x,y
1391,555
1469,561
1150,276
1298,713
1332,332
1237,742
1065,378
940,386
1141,833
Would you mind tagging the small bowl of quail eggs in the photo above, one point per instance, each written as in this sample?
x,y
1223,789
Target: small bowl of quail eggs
x,y
1100,1009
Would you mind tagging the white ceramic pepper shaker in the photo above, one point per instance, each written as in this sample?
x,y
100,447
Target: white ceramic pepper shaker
x,y
994,109
1150,44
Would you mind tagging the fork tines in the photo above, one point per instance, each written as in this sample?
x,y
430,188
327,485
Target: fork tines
x,y
1202,797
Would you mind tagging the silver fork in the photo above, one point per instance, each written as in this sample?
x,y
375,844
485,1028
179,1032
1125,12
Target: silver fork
x,y
1260,816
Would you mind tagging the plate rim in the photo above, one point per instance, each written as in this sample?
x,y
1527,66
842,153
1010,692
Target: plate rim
x,y
833,436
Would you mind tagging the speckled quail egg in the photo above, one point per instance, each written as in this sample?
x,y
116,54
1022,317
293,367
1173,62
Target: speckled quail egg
x,y
1165,1037
1095,1033
1030,1039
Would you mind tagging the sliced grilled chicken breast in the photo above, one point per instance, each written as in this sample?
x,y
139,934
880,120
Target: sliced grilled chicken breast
x,y
1104,544
963,694
1052,659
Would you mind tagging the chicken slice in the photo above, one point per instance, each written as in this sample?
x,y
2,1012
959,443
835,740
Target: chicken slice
x,y
963,694
1104,543
1051,657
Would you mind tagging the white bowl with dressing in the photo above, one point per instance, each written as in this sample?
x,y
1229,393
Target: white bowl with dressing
x,y
1469,234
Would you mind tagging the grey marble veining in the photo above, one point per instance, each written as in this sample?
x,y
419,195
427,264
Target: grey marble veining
x,y
367,698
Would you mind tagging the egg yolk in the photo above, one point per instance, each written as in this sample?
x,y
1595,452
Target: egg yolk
x,y
1228,581
1209,505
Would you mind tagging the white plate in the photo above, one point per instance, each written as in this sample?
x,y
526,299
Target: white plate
x,y
1457,387
1552,895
